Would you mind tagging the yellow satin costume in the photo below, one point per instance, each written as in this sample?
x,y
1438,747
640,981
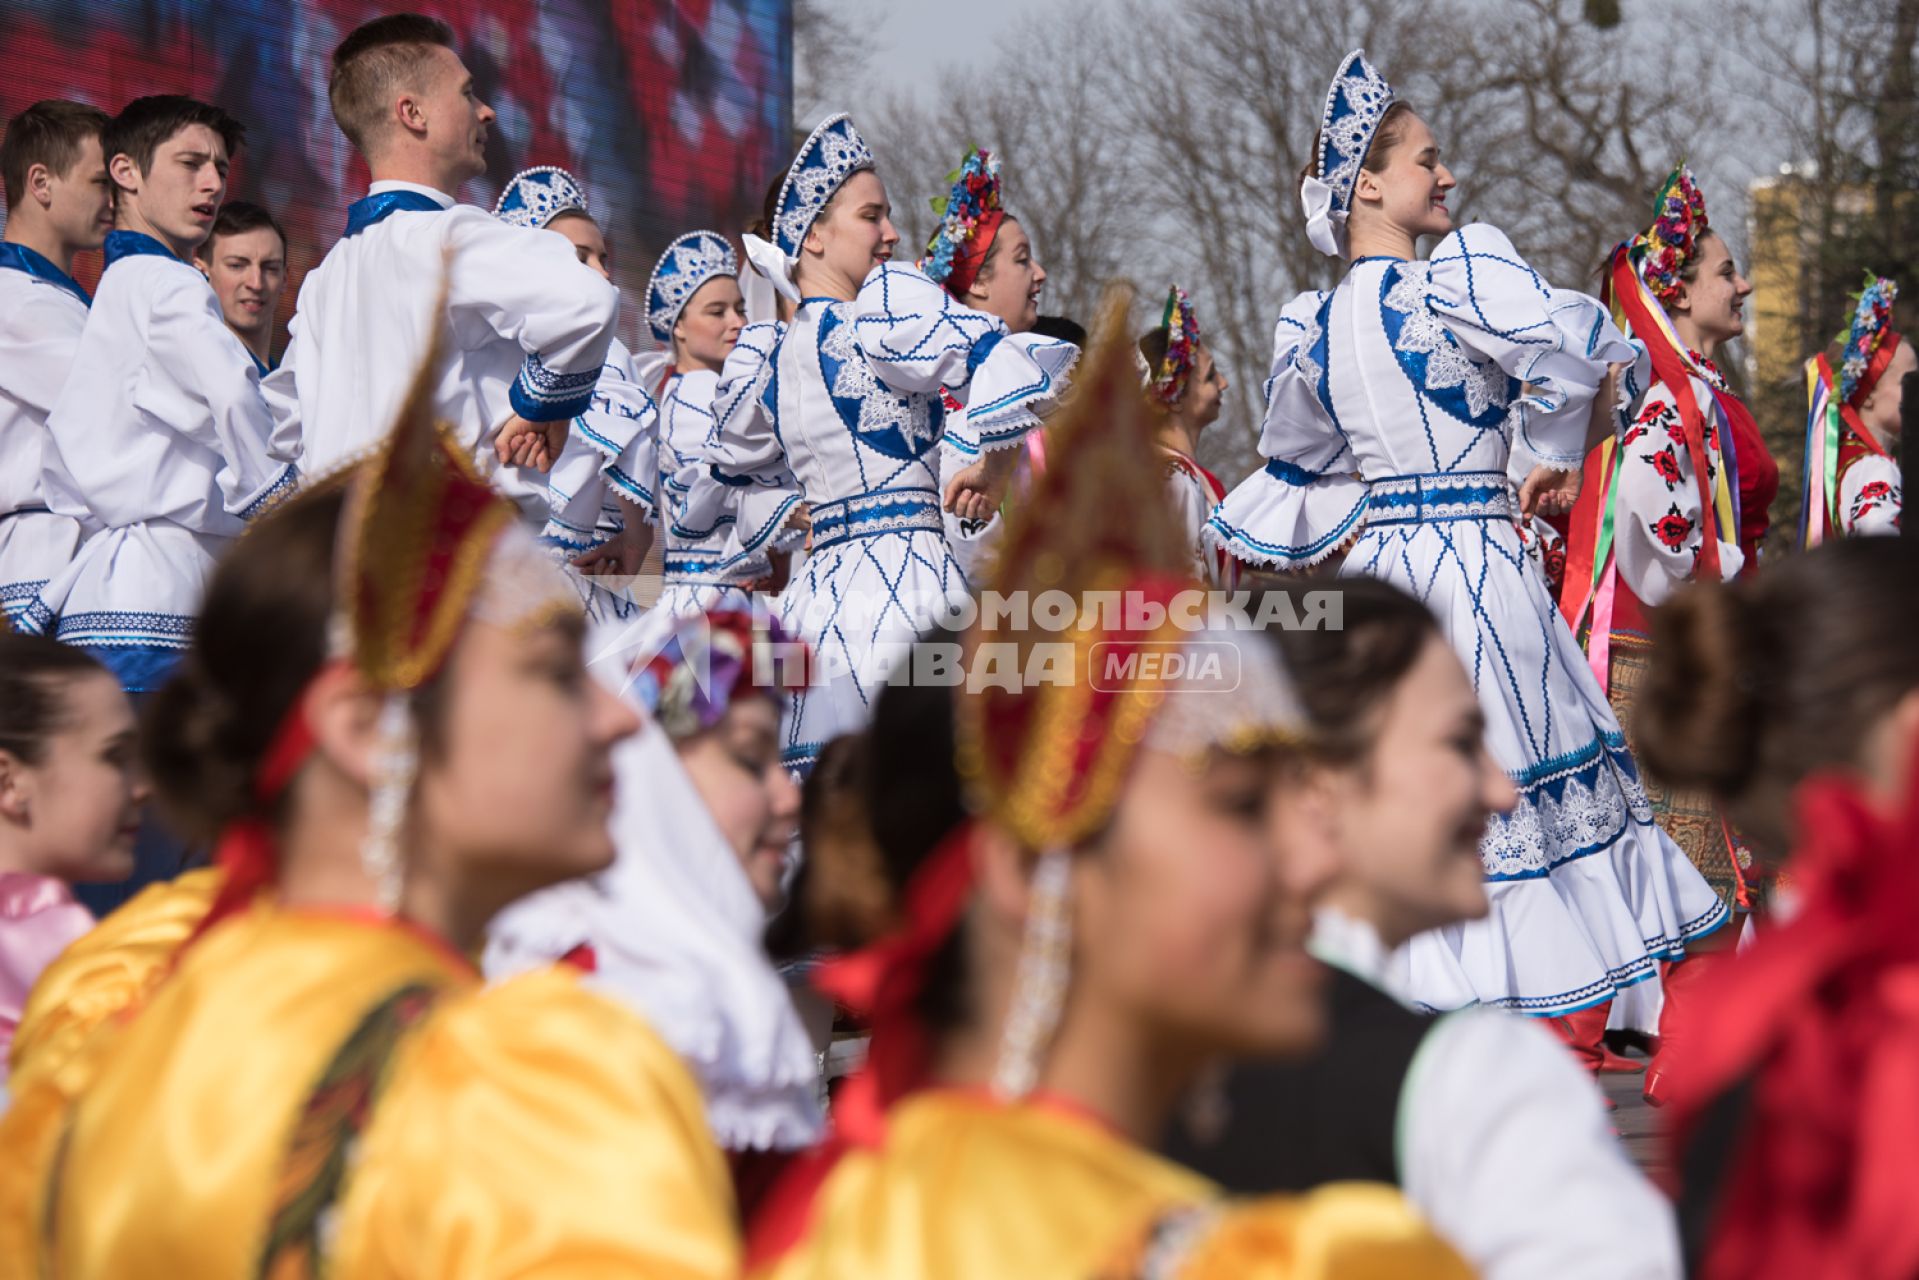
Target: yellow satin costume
x,y
528,1129
107,970
965,1187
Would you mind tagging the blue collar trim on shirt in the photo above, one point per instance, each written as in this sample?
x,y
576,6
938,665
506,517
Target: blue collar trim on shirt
x,y
364,213
128,244
20,258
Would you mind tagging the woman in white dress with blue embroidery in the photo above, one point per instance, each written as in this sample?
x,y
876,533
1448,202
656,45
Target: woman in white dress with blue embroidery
x,y
695,309
828,430
596,516
1399,404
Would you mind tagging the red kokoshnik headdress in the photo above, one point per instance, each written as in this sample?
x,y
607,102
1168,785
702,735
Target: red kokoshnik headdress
x,y
425,544
1047,760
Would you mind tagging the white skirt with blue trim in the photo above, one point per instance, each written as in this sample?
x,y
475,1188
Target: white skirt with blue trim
x,y
1587,894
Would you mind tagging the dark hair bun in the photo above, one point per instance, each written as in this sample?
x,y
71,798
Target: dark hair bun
x,y
845,897
1698,720
194,748
259,640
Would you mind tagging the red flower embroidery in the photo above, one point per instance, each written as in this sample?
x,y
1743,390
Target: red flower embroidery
x,y
1666,463
1672,529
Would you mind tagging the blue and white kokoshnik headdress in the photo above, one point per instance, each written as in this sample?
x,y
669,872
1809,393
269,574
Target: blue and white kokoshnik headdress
x,y
538,195
684,266
1355,105
832,153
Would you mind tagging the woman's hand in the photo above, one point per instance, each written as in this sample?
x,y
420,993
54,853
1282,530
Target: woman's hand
x,y
1547,492
975,493
521,443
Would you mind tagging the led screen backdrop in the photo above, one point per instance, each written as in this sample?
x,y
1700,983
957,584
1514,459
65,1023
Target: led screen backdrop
x,y
673,113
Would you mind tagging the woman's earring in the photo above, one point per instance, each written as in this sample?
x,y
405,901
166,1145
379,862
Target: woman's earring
x,y
1039,985
396,761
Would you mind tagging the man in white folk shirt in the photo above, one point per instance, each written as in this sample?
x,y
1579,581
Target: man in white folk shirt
x,y
527,323
159,436
245,260
59,203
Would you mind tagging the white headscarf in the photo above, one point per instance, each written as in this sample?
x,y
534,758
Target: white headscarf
x,y
674,926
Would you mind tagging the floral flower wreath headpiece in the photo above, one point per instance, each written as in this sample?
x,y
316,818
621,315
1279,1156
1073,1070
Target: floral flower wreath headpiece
x,y
1663,251
970,217
700,663
1167,382
1870,341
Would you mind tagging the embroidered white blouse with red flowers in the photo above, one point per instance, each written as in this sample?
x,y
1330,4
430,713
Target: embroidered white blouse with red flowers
x,y
1657,523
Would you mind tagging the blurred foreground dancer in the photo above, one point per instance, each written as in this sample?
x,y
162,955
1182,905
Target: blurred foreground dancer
x,y
389,756
70,797
1791,1115
1525,1177
703,818
1127,903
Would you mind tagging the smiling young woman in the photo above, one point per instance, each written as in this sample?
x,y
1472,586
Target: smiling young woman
x,y
982,255
386,757
70,797
1682,495
1400,404
828,430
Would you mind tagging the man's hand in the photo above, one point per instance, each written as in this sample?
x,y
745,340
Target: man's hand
x,y
1548,492
521,443
976,492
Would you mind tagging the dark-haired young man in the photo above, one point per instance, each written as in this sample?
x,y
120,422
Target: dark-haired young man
x,y
245,260
528,323
59,203
159,437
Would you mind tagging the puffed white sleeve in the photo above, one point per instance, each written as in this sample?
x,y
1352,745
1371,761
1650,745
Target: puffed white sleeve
x,y
919,340
1506,1148
281,391
1557,342
40,335
1871,496
529,288
201,382
741,480
1308,501
1658,527
622,426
